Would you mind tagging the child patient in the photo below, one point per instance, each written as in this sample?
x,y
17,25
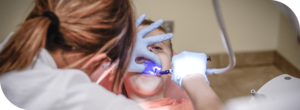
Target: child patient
x,y
148,90
151,92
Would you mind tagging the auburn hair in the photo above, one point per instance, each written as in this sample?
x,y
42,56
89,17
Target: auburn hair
x,y
88,26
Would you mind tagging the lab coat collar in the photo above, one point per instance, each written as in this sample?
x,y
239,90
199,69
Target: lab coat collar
x,y
45,57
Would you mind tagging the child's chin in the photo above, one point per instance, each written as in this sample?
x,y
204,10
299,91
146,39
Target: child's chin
x,y
150,88
149,85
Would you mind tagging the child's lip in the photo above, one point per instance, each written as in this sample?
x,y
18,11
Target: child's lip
x,y
140,60
149,76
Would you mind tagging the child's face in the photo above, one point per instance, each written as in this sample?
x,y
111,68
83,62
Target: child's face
x,y
137,81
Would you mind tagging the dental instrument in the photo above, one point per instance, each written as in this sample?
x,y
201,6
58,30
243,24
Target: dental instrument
x,y
153,69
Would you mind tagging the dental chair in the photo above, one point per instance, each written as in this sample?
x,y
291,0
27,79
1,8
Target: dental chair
x,y
280,93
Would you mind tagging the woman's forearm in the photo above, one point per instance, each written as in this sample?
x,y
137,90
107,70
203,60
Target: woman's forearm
x,y
200,93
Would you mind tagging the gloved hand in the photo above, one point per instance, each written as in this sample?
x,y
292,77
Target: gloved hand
x,y
140,48
188,63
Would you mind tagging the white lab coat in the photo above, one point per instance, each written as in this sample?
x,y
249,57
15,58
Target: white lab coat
x,y
43,86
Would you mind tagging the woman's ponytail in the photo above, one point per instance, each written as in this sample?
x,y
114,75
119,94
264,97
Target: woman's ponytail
x,y
20,50
85,26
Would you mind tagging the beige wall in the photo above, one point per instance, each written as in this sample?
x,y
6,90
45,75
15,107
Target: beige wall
x,y
287,41
12,14
252,25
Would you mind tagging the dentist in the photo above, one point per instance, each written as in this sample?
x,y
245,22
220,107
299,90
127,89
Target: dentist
x,y
46,64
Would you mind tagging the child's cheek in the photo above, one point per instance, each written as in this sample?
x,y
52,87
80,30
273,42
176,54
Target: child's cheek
x,y
165,62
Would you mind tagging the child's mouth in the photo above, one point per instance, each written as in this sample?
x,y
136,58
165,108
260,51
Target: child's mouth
x,y
140,60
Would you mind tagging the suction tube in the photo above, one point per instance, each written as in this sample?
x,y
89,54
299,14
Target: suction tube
x,y
153,69
225,41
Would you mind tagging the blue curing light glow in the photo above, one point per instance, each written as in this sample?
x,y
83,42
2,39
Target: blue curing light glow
x,y
151,68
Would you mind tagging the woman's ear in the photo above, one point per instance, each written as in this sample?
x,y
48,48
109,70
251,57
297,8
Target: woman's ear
x,y
100,57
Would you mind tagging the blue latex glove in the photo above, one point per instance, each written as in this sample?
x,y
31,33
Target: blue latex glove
x,y
188,63
140,48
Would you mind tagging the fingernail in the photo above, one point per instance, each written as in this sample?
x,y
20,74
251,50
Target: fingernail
x,y
143,16
160,21
170,34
